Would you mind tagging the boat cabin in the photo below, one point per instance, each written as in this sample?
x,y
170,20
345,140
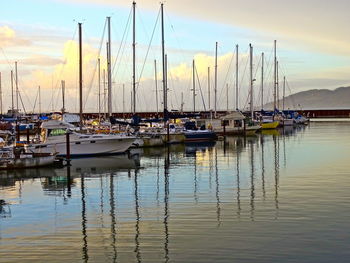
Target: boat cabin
x,y
53,128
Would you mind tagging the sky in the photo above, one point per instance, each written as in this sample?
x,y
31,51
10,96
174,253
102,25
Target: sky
x,y
313,50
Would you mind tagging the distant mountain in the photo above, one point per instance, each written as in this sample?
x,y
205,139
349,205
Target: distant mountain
x,y
317,99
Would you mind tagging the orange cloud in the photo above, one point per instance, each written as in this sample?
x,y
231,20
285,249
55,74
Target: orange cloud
x,y
66,69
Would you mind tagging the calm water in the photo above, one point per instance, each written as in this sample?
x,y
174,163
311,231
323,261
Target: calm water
x,y
269,198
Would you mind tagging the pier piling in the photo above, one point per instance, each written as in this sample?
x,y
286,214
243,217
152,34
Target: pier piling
x,y
27,131
68,148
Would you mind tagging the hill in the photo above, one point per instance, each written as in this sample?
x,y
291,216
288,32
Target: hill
x,y
317,99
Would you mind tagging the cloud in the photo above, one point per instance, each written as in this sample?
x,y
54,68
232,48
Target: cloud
x,y
37,60
8,38
313,24
183,71
64,69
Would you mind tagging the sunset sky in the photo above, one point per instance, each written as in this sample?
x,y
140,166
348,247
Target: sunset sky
x,y
41,35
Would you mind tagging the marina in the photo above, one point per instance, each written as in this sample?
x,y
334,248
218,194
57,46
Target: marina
x,y
263,198
174,131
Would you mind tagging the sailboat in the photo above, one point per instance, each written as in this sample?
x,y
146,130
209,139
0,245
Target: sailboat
x,y
146,138
266,122
54,133
169,133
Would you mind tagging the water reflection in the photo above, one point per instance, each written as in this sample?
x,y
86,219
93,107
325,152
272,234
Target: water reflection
x,y
113,217
218,209
5,210
85,256
166,204
158,175
137,225
263,167
212,186
103,165
276,169
252,187
238,186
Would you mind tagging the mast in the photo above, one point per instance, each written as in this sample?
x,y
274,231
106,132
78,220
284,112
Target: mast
x,y
163,62
182,102
109,72
133,57
39,100
123,99
251,80
209,87
216,77
104,93
131,101
237,77
99,90
194,86
80,78
52,92
0,95
156,80
277,88
166,79
63,96
274,78
262,80
284,91
13,104
16,85
226,97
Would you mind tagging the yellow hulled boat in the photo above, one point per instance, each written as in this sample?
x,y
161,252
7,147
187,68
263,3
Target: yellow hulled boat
x,y
269,125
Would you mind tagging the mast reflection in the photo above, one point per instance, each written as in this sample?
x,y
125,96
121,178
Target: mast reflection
x,y
137,225
263,167
211,165
101,201
252,187
113,218
158,170
69,182
195,178
276,164
85,255
166,204
238,147
218,208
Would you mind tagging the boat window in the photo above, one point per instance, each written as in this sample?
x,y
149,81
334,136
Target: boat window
x,y
56,132
96,136
84,137
77,143
92,141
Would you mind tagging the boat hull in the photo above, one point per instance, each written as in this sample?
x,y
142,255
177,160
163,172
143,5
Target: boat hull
x,y
269,125
249,130
91,147
200,136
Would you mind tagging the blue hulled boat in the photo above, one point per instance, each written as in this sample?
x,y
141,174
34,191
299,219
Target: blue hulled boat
x,y
193,134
